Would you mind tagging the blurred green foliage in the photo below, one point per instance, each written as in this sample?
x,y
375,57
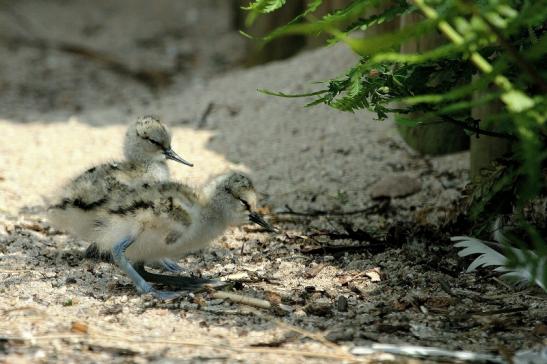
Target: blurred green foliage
x,y
496,52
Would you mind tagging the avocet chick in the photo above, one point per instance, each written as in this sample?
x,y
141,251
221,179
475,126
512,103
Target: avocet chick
x,y
151,222
147,146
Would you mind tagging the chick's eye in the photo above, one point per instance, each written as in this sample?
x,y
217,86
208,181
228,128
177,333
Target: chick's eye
x,y
158,144
245,203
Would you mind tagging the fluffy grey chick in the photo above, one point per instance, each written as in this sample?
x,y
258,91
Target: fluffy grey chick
x,y
151,222
147,146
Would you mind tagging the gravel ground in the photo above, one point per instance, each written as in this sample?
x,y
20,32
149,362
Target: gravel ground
x,y
335,279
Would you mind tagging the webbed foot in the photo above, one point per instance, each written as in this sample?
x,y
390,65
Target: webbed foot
x,y
165,295
183,283
170,266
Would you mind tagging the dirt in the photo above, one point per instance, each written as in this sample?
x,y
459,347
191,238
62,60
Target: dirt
x,y
345,271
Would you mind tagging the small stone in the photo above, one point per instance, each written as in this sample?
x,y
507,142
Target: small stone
x,y
374,274
395,186
320,307
358,264
300,313
342,304
340,335
216,302
112,310
187,306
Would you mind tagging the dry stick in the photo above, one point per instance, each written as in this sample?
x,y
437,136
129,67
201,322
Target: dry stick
x,y
369,209
311,335
95,334
250,301
153,340
15,271
500,311
466,126
317,337
205,115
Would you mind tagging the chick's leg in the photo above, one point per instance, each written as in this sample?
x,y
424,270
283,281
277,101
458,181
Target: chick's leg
x,y
185,283
93,253
118,255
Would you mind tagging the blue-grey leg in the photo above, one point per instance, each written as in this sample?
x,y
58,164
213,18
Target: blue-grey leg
x,y
118,255
170,266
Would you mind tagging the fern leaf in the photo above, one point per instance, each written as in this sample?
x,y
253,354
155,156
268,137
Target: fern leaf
x,y
265,6
283,30
526,266
488,256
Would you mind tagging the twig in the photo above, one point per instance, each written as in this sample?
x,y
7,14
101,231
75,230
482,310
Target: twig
x,y
427,352
351,233
244,300
371,209
203,344
317,337
203,120
290,336
500,311
372,248
464,125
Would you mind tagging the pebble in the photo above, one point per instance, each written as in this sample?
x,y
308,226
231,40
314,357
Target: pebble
x,y
340,335
320,307
395,186
300,313
342,304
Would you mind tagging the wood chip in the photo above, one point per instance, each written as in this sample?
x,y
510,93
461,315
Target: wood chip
x,y
314,270
79,327
244,300
374,274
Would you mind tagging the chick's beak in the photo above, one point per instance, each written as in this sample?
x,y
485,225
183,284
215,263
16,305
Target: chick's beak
x,y
257,219
170,154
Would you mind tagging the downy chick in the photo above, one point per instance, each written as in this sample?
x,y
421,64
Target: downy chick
x,y
147,146
169,220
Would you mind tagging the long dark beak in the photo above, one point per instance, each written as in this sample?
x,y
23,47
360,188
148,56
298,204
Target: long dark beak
x,y
170,154
257,219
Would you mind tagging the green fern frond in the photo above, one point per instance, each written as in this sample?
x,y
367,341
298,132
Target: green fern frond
x,y
285,29
387,15
265,6
282,94
490,43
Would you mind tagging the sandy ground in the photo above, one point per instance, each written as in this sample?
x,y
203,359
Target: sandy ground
x,y
410,288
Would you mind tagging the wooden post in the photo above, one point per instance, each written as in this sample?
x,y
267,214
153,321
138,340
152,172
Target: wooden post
x,y
278,48
437,138
485,149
